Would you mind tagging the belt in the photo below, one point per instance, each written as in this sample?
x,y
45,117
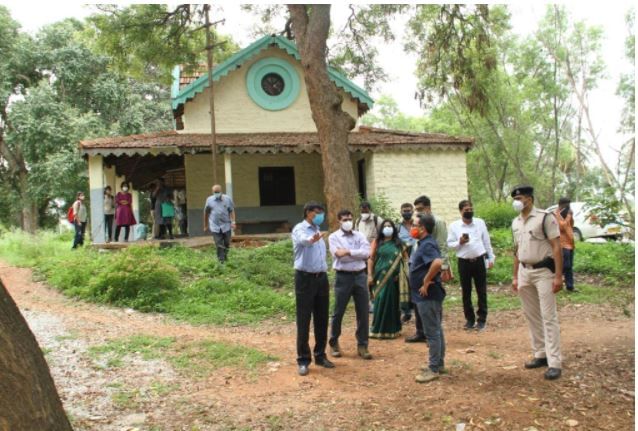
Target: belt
x,y
533,265
351,272
311,274
473,259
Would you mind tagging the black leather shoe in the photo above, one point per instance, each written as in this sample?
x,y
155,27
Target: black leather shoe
x,y
552,373
468,326
303,370
416,338
536,363
324,363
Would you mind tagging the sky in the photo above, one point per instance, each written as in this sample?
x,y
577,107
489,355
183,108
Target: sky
x,y
605,106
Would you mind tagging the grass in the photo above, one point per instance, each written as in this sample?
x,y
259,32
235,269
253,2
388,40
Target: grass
x,y
257,283
194,358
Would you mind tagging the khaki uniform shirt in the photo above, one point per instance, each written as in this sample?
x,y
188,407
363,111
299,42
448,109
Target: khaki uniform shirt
x,y
529,240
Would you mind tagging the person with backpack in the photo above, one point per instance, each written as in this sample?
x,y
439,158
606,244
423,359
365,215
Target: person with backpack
x,y
538,277
367,223
78,215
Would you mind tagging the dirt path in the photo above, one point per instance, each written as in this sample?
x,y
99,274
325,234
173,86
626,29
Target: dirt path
x,y
486,387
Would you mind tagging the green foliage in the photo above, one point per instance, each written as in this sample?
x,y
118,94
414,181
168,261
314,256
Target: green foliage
x,y
197,358
381,207
137,278
496,215
612,260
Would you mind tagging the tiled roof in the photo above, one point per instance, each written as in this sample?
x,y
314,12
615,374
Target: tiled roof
x,y
365,139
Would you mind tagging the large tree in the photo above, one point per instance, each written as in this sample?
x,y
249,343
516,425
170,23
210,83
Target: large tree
x,y
28,395
55,92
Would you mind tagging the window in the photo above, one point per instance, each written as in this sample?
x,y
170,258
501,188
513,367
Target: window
x,y
277,186
273,83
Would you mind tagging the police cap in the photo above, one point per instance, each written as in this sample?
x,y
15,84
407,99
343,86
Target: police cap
x,y
523,190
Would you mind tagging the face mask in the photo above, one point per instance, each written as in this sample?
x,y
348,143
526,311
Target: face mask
x,y
318,219
365,216
414,232
217,195
468,215
346,225
388,231
125,189
564,212
518,206
407,215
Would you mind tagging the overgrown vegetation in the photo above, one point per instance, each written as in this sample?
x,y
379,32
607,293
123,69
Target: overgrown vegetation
x,y
257,283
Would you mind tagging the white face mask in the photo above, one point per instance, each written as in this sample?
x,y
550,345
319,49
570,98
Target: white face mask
x,y
346,225
518,206
125,189
388,231
365,216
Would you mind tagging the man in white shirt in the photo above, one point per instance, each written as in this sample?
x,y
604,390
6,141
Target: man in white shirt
x,y
470,239
368,223
350,251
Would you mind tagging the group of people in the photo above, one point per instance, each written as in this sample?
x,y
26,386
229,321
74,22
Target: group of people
x,y
166,205
402,267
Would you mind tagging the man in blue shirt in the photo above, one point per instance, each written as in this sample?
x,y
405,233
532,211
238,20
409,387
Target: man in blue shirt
x,y
312,291
219,219
427,293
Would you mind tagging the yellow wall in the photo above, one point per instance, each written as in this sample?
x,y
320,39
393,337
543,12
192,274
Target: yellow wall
x,y
235,112
308,176
404,175
199,177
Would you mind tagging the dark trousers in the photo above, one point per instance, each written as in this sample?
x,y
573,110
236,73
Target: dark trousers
x,y
473,270
108,223
568,268
312,300
418,322
127,231
222,242
353,285
80,228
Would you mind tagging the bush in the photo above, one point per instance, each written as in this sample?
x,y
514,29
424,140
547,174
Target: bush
x,y
136,277
496,214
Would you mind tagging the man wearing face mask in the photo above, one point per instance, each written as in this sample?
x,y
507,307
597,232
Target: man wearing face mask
x,y
565,219
422,205
538,276
428,294
219,219
470,239
350,251
312,291
407,211
368,223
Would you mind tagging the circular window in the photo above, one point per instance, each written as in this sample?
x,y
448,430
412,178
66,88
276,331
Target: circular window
x,y
273,84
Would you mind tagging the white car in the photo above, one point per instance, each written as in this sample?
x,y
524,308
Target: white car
x,y
585,226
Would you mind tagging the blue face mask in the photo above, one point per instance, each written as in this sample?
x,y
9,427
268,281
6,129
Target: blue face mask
x,y
318,219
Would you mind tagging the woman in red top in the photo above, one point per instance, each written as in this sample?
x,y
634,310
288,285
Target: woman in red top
x,y
124,212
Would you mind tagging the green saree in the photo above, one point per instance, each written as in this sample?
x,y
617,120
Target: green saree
x,y
386,322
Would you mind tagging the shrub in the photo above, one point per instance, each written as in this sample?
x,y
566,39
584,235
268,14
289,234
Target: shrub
x,y
495,214
136,277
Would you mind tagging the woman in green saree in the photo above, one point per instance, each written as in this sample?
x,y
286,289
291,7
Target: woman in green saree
x,y
387,275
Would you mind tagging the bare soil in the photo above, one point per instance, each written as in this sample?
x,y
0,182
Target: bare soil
x,y
486,387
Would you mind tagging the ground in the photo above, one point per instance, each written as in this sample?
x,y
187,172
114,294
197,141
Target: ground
x,y
486,388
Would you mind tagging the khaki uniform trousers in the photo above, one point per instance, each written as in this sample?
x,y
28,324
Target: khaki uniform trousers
x,y
539,307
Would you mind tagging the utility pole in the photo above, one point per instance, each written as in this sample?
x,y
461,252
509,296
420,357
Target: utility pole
x,y
210,44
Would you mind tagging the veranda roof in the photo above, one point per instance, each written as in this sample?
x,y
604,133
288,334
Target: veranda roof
x,y
365,139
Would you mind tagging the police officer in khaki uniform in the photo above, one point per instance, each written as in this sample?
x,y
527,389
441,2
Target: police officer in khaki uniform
x,y
538,272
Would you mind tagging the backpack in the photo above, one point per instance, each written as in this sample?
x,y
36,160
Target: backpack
x,y
70,215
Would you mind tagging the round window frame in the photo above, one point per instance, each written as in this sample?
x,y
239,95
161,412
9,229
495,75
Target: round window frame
x,y
292,84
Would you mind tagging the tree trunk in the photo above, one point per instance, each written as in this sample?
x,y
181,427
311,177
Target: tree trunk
x,y
28,398
29,208
311,25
